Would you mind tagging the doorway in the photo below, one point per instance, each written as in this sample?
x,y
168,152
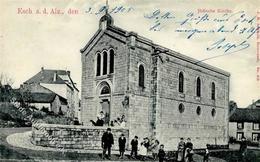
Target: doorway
x,y
106,109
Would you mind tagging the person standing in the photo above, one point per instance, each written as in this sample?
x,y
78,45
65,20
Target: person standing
x,y
144,148
161,153
188,151
134,144
122,142
107,142
243,148
180,151
206,155
155,149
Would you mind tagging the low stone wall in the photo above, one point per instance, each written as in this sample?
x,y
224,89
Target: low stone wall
x,y
73,137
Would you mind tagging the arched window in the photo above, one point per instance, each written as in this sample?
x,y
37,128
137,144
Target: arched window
x,y
198,87
213,90
104,63
98,64
111,64
105,90
181,82
141,76
181,108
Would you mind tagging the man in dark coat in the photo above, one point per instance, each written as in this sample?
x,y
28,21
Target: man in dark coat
x,y
161,153
122,142
243,148
134,144
107,142
189,150
99,122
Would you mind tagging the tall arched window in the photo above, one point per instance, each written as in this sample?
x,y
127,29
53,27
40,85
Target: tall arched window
x,y
141,76
213,90
181,82
104,63
198,87
111,64
98,64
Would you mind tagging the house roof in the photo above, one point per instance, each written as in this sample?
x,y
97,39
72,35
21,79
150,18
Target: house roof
x,y
123,34
52,77
254,105
245,115
42,97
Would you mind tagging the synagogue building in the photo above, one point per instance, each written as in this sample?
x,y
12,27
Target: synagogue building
x,y
161,92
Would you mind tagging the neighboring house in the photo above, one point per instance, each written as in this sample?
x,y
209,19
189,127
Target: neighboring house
x,y
245,122
255,105
161,92
54,88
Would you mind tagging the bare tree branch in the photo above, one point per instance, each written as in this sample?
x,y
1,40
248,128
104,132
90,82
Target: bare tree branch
x,y
6,80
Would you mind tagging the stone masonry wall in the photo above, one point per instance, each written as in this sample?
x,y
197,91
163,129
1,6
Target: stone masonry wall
x,y
202,129
140,101
117,81
73,137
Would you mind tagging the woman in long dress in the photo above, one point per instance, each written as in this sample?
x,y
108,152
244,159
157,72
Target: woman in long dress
x,y
143,148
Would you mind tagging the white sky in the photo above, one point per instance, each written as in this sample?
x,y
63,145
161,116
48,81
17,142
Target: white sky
x,y
30,41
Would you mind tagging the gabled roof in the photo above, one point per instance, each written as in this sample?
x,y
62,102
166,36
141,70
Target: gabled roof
x,y
42,98
245,115
124,34
52,77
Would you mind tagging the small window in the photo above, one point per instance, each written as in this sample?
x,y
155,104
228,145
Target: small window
x,y
213,112
255,137
213,90
141,76
105,90
104,63
181,108
198,87
181,82
98,64
240,135
256,126
198,111
240,125
111,63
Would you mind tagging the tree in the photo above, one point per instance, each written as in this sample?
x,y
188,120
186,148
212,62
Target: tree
x,y
232,106
6,90
5,80
24,97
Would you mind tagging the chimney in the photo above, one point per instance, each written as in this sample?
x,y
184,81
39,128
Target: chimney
x,y
42,68
55,76
68,72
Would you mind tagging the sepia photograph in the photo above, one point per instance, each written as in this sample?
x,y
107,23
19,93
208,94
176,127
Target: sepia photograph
x,y
130,80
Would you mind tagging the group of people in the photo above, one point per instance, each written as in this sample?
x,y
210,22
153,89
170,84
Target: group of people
x,y
121,122
146,146
102,120
185,151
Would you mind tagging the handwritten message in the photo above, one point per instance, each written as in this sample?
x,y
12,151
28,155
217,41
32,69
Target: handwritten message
x,y
233,29
238,24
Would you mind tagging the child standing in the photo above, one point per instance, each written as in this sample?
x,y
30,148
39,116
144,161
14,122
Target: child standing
x,y
155,149
161,153
206,155
122,142
134,144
